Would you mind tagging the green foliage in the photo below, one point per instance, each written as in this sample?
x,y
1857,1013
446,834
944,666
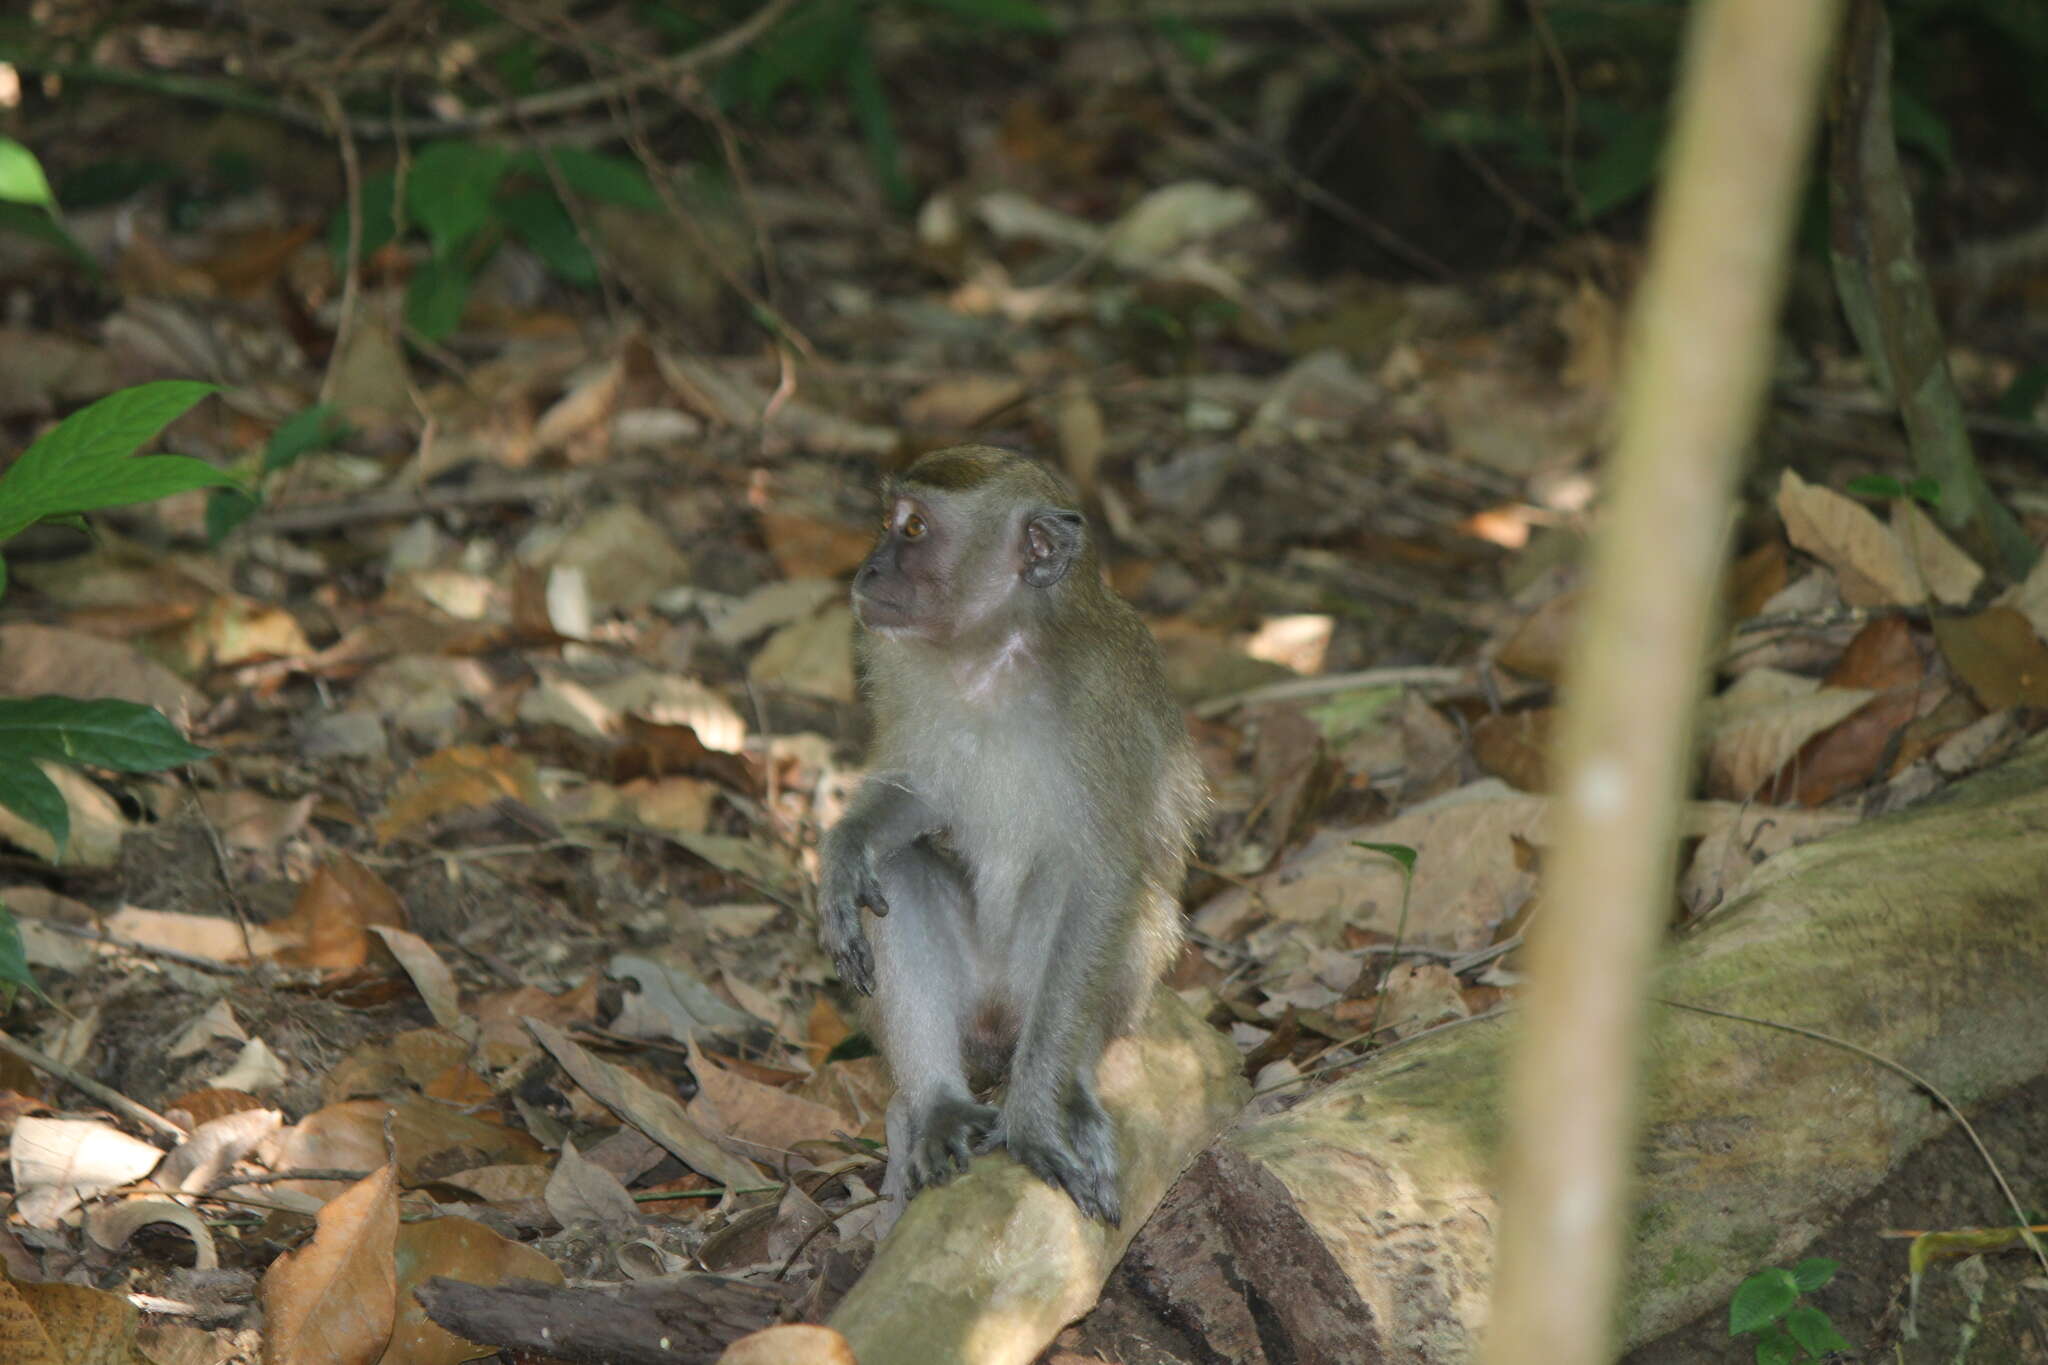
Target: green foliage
x,y
823,47
1770,1306
28,207
466,197
84,463
1923,490
314,428
1400,853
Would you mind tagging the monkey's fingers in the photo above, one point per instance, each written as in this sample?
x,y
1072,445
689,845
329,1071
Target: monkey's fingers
x,y
1093,1191
855,962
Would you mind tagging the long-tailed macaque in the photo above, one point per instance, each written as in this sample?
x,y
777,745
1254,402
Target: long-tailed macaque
x,y
1023,831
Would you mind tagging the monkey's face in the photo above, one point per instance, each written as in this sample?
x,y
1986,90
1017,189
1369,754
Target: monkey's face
x,y
951,566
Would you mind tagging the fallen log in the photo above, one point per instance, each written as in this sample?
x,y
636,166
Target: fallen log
x,y
986,1269
1359,1225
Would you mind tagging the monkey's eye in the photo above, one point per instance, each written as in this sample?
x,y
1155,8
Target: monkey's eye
x,y
914,527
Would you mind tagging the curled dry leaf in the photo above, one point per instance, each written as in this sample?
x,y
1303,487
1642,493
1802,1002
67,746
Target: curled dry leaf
x,y
335,1299
1949,574
464,777
1755,727
581,1191
430,975
214,1146
793,1343
112,1226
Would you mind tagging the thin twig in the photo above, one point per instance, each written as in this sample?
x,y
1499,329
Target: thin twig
x,y
1294,689
111,1098
1898,1069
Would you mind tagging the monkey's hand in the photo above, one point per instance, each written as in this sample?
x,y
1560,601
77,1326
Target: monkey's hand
x,y
944,1135
1070,1146
847,881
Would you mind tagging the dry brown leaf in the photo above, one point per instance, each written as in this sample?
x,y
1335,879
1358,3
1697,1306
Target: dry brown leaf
x,y
658,1115
97,824
1997,653
462,1250
1867,558
1735,837
43,659
581,1191
430,975
791,1343
1537,647
961,403
504,1184
1080,431
813,656
329,923
216,1145
75,1324
1755,727
1949,574
1419,994
1881,656
804,546
208,936
57,1163
625,555
735,1106
1756,578
465,777
236,630
1515,747
110,1226
172,1343
335,1299
1849,754
2028,597
250,820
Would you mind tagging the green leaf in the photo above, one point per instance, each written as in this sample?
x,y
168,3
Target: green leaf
x,y
36,223
1915,125
1813,1272
227,509
307,429
537,218
1197,46
448,191
2024,394
1778,1349
612,179
1624,167
1400,853
1926,490
14,973
27,791
379,207
1761,1300
871,110
1021,15
124,735
81,463
435,298
1811,1328
1876,486
21,176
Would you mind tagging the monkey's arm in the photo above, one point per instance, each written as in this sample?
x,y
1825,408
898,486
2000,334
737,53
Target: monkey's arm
x,y
885,817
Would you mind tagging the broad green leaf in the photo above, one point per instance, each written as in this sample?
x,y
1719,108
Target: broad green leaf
x,y
1400,853
594,175
1623,169
877,125
34,222
122,735
2024,394
537,218
21,176
1925,490
448,191
379,206
1778,1349
1761,1300
14,973
1811,1328
84,486
1813,1272
85,454
307,429
227,509
435,298
1914,124
27,791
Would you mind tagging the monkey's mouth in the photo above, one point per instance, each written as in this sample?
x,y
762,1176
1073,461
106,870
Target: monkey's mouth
x,y
879,613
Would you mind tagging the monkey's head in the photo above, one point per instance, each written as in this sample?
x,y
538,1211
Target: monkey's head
x,y
974,540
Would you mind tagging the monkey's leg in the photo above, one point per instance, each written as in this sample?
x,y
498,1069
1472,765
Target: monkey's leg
x,y
1052,1121
924,992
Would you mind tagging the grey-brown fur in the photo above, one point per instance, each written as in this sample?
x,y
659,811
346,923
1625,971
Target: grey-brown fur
x,y
1025,825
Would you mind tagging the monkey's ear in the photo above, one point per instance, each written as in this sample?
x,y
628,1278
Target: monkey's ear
x,y
1052,542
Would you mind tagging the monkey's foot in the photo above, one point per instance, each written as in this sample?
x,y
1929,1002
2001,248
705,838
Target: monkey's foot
x,y
1075,1152
852,957
942,1140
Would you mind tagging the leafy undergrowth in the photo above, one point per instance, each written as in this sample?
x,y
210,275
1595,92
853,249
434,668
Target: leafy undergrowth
x,y
480,947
